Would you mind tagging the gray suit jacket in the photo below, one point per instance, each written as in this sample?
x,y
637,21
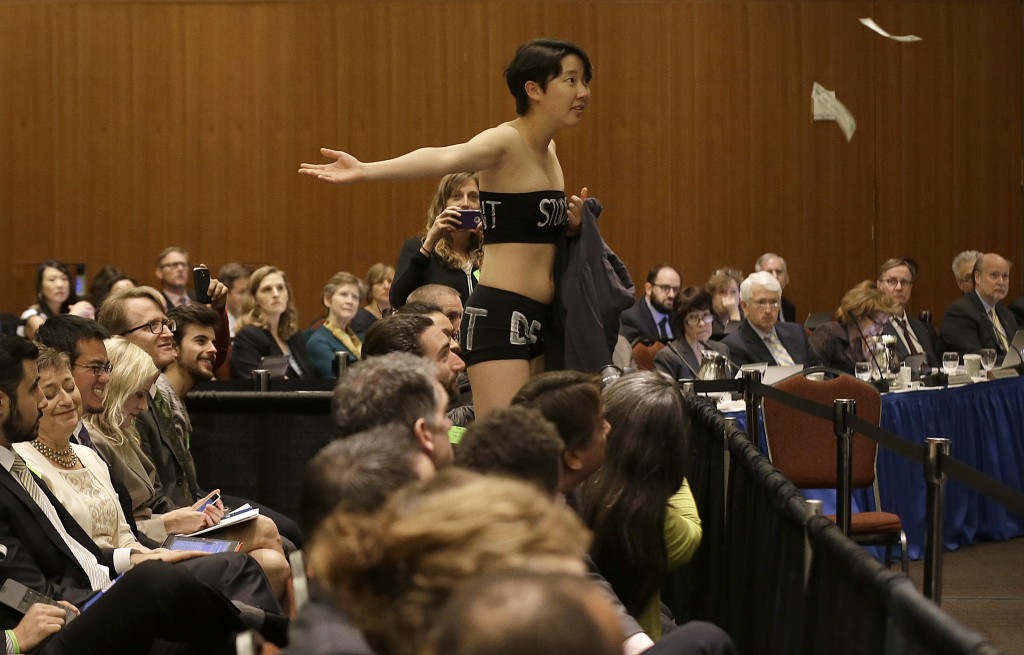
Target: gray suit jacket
x,y
748,348
162,442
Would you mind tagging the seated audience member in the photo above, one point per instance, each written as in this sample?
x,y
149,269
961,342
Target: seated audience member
x,y
116,439
235,277
356,474
761,337
516,441
522,611
418,335
378,297
963,269
108,279
976,320
776,265
724,287
446,298
54,296
341,297
269,327
691,316
394,571
53,556
863,313
896,279
650,317
446,255
638,505
396,388
174,273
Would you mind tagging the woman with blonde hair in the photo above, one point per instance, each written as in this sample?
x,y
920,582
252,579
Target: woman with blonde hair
x,y
394,570
448,253
341,297
269,326
117,441
863,313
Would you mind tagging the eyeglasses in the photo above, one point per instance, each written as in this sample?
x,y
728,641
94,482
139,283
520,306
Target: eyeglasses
x,y
766,304
897,282
697,319
664,288
97,369
174,265
155,326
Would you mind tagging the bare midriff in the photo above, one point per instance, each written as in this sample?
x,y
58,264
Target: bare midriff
x,y
523,268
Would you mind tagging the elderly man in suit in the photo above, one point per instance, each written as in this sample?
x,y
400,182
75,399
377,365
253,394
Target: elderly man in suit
x,y
896,279
776,265
651,317
976,320
761,337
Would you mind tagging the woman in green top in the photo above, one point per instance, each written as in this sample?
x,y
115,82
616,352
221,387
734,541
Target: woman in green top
x,y
639,506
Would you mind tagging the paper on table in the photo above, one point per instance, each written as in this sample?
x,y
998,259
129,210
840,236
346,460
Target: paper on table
x,y
872,25
825,106
237,515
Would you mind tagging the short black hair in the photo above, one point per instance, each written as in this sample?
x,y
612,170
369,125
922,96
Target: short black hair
x,y
515,441
652,274
64,332
13,352
396,333
356,474
192,314
539,61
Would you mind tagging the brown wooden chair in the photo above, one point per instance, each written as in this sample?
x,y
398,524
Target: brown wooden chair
x,y
644,351
803,448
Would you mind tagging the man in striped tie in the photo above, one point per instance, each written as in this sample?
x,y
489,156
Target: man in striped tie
x,y
896,279
761,337
976,320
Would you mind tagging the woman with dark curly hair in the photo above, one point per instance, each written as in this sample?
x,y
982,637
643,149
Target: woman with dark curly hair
x,y
691,322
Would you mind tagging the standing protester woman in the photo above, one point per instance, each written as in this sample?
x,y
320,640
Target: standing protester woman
x,y
525,211
449,254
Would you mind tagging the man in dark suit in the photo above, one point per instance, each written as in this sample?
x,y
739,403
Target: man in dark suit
x,y
761,337
776,265
896,279
650,316
977,320
45,549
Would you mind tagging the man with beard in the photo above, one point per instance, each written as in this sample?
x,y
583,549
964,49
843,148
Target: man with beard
x,y
649,317
420,334
46,550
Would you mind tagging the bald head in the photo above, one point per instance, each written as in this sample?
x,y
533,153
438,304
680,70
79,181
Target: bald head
x,y
992,277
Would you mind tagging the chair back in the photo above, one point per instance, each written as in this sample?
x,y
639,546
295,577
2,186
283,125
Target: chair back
x,y
803,447
814,319
644,351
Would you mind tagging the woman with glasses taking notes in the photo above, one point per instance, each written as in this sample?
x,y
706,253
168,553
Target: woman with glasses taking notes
x,y
691,319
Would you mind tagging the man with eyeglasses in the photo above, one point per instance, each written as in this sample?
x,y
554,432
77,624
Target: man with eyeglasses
x,y
761,337
976,320
776,265
173,272
896,279
650,317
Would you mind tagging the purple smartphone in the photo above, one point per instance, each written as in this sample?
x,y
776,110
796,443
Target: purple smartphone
x,y
469,219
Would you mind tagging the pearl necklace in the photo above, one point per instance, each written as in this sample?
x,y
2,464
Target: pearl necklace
x,y
66,458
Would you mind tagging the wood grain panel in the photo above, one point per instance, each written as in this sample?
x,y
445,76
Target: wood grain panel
x,y
132,125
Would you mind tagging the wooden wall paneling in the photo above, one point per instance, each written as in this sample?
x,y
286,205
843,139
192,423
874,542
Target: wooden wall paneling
x,y
836,250
26,181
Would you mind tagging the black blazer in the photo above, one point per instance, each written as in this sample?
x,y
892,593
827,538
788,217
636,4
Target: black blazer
x,y
748,348
175,469
414,270
967,329
1017,307
253,343
923,335
678,360
788,310
637,321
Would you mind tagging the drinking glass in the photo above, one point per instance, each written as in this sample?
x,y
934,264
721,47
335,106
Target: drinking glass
x,y
949,362
863,371
988,358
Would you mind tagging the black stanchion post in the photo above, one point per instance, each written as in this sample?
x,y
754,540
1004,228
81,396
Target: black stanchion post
x,y
750,379
261,380
841,410
935,479
811,508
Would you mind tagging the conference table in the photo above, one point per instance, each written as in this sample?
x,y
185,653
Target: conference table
x,y
985,424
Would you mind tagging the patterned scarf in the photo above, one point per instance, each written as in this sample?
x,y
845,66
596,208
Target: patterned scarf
x,y
347,337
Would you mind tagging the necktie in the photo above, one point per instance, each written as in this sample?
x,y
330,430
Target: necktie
x,y
777,350
663,329
85,439
907,336
99,575
1004,344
